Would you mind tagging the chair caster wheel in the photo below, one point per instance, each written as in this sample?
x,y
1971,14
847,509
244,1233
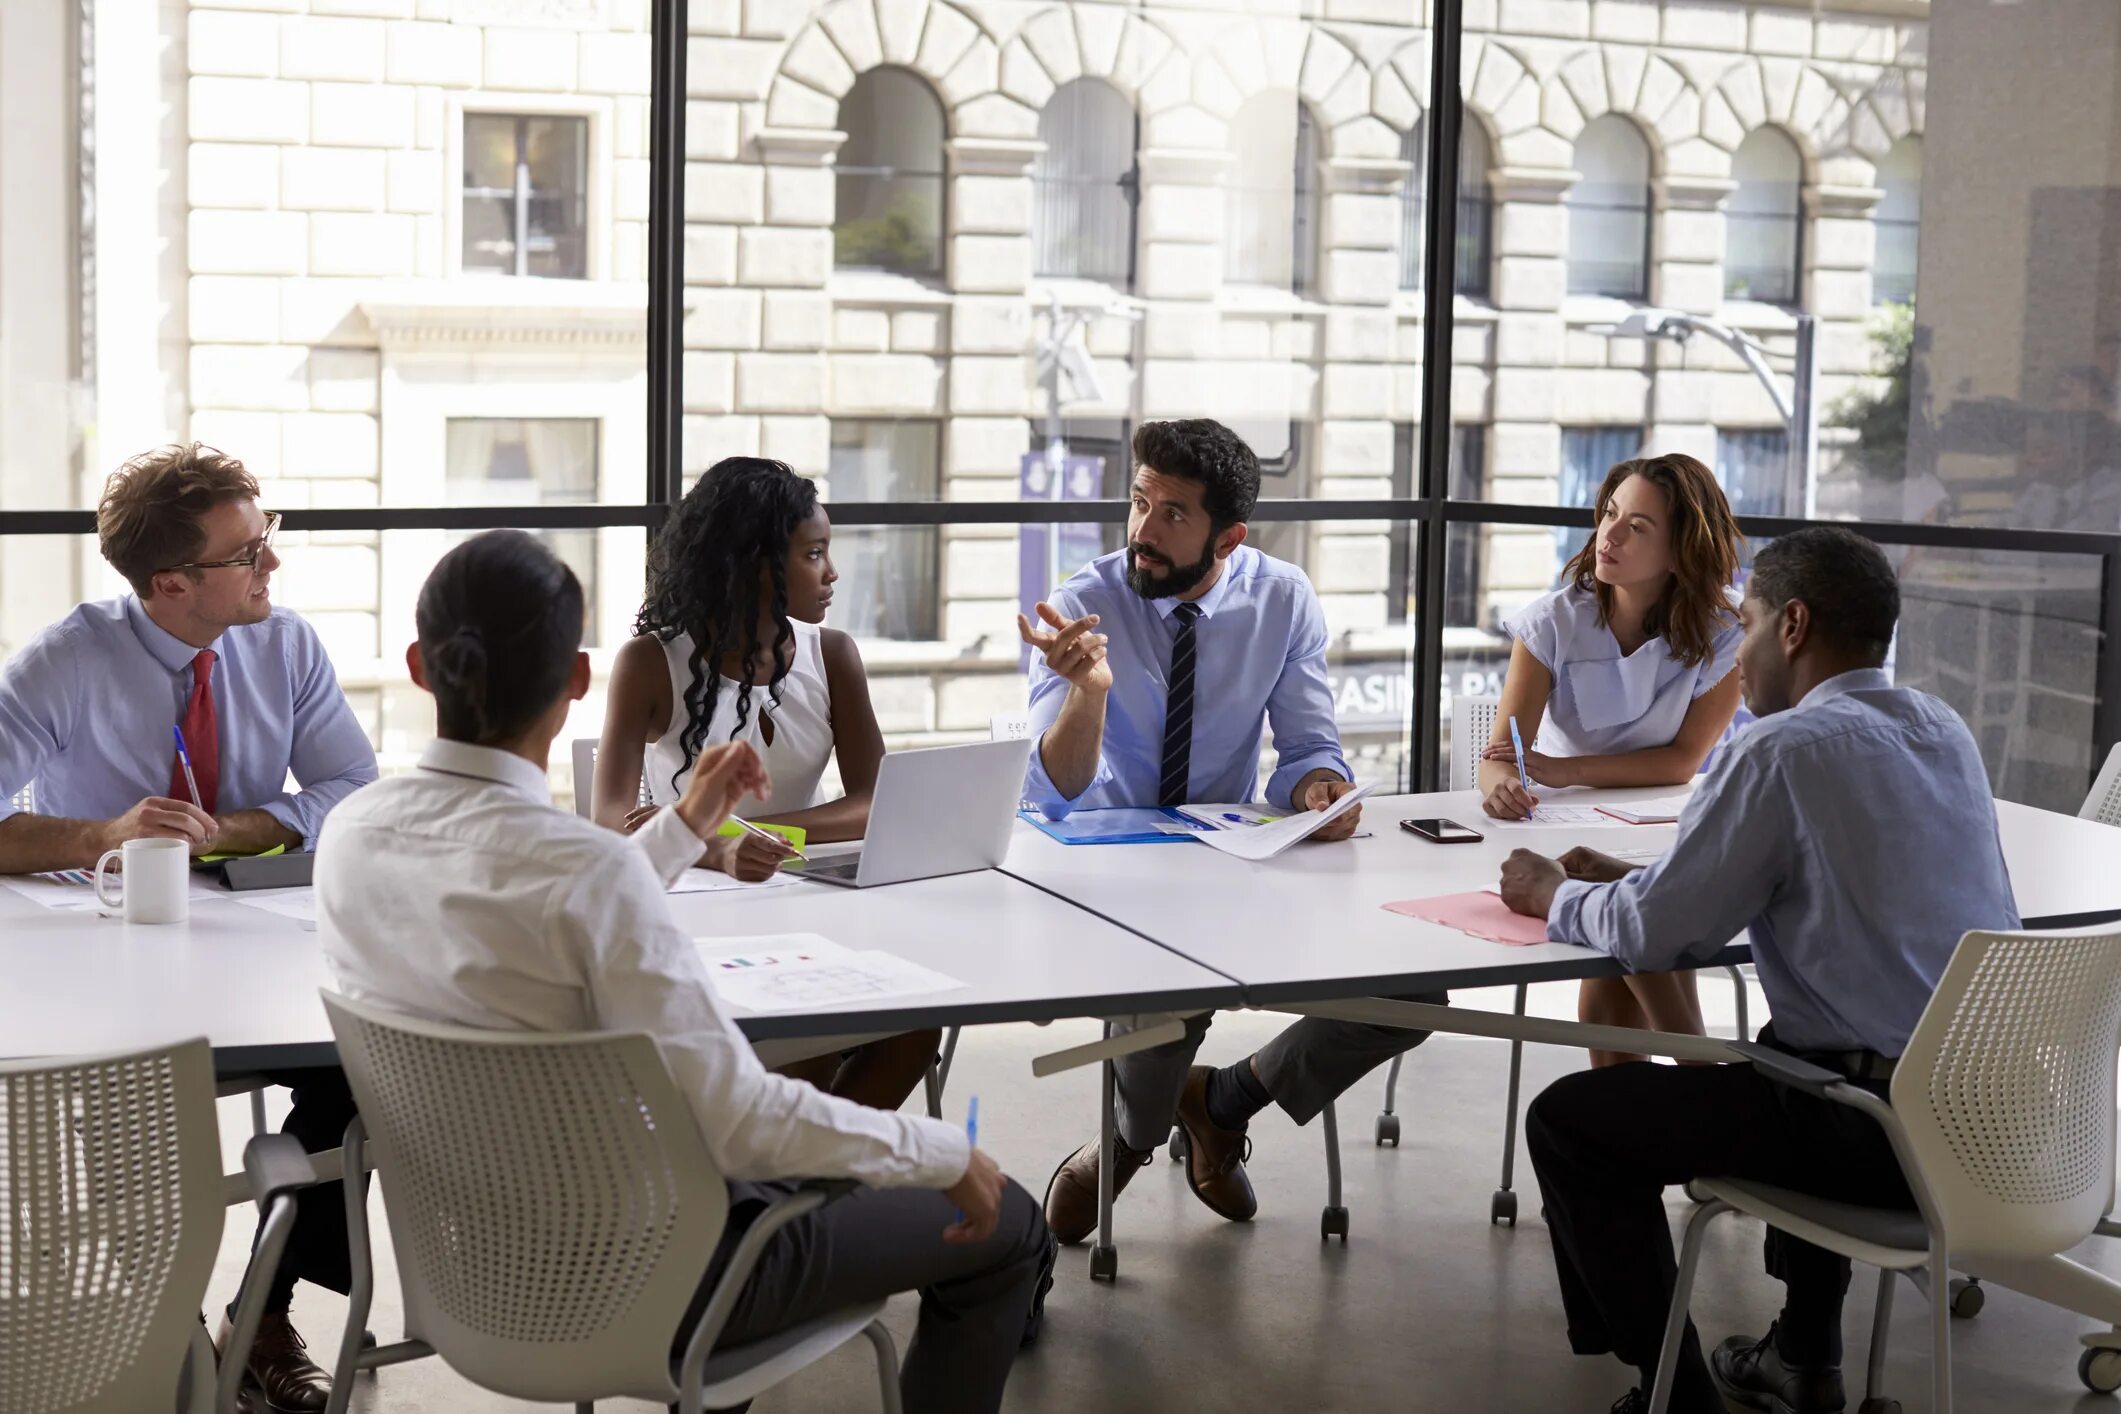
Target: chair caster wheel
x,y
1332,1223
2100,1370
1104,1264
1388,1131
1879,1406
1502,1208
1177,1148
1967,1298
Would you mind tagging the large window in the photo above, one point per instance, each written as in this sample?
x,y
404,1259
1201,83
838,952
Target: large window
x,y
526,182
1088,183
1609,211
889,190
888,574
1474,253
1896,220
1764,247
315,289
1270,210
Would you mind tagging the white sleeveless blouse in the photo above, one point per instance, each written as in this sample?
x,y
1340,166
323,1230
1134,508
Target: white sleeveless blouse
x,y
802,727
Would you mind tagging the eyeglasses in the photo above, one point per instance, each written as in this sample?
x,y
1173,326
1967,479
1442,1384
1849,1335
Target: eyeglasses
x,y
248,560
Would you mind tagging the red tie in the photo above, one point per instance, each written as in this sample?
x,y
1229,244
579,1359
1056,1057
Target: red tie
x,y
202,738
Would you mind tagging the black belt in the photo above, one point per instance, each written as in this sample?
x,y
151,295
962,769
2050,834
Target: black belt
x,y
1856,1065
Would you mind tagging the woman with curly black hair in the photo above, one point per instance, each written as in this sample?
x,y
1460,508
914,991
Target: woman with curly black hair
x,y
732,647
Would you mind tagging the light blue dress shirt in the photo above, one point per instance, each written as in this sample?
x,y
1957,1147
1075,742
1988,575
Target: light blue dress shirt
x,y
86,710
1855,838
1259,658
1606,703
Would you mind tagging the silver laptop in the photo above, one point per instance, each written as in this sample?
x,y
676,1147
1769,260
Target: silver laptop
x,y
945,810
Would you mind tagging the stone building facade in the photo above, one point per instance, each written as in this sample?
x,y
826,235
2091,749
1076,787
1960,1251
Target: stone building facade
x,y
294,257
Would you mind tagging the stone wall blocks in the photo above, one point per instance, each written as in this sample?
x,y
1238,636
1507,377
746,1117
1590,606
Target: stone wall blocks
x,y
1051,38
313,47
976,72
816,61
247,110
731,68
545,60
899,27
949,37
1024,78
361,115
1116,43
853,30
247,242
797,105
994,115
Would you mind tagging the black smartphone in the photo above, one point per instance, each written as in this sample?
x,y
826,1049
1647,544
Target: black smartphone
x,y
1441,831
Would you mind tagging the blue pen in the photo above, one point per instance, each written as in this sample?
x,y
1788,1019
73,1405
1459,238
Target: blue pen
x,y
1517,745
184,757
971,1134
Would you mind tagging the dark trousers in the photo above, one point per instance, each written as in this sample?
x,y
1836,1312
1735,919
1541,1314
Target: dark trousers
x,y
877,1242
1607,1143
1305,1068
316,1247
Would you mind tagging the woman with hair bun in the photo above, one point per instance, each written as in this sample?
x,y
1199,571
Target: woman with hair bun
x,y
732,646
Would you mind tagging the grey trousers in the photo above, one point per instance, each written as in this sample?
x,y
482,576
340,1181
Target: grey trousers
x,y
1304,1068
877,1242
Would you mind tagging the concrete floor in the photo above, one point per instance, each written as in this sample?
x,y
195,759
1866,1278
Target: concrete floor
x,y
1427,1308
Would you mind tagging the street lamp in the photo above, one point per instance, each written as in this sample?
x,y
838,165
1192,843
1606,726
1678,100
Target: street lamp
x,y
1799,407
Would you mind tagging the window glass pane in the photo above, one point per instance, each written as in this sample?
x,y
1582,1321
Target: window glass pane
x,y
890,575
530,462
1269,216
1609,211
314,277
1086,184
890,175
1753,466
1898,219
556,217
1765,221
1474,203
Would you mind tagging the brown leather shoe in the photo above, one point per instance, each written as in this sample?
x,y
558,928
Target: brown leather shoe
x,y
1071,1194
282,1377
1215,1158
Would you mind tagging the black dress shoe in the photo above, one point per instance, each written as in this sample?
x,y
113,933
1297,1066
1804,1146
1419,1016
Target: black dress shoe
x,y
1754,1374
1633,1402
280,1376
1035,1321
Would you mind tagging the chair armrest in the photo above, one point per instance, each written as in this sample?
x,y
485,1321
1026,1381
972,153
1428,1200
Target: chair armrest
x,y
833,1189
1782,1066
807,1198
276,1164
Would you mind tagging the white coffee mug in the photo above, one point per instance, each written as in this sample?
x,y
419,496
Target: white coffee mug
x,y
156,880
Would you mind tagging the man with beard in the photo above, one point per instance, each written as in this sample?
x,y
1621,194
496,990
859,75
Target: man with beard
x,y
1156,668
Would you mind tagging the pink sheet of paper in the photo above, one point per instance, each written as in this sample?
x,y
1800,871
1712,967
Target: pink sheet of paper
x,y
1482,915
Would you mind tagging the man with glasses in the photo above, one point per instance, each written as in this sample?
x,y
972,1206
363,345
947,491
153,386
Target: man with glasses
x,y
86,711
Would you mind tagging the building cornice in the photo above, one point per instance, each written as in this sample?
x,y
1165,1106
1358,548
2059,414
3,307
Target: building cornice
x,y
581,316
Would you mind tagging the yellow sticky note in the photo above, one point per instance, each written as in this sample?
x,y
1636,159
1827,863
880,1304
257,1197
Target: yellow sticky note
x,y
261,854
794,834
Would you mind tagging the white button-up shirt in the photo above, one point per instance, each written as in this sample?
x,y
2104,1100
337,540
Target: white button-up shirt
x,y
458,893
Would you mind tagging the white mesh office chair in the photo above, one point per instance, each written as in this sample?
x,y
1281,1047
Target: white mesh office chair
x,y
1472,728
2002,1117
2104,802
110,1216
552,1205
585,770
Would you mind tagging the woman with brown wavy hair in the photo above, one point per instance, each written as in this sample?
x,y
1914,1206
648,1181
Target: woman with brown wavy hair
x,y
1623,677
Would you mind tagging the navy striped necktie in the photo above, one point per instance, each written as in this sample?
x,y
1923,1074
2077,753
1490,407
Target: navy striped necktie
x,y
1178,712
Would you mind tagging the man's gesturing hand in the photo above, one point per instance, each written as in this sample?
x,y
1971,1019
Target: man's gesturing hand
x,y
1072,651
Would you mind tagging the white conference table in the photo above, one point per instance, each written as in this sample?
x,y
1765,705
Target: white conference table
x,y
247,980
1310,924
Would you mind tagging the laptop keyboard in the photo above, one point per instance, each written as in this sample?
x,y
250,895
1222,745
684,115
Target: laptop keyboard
x,y
844,868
